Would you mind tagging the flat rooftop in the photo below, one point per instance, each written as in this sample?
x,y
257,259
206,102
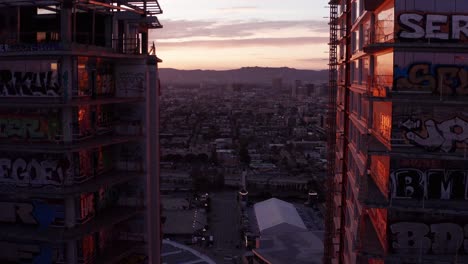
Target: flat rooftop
x,y
175,253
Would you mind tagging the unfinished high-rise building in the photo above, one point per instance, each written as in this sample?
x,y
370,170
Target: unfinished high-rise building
x,y
398,138
78,132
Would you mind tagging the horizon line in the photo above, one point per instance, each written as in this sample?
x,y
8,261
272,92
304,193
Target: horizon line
x,y
230,69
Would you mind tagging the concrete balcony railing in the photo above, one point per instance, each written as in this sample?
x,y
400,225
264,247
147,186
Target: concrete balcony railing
x,y
378,37
30,42
50,41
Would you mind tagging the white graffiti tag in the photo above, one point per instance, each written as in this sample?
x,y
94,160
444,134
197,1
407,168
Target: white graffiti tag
x,y
33,172
443,136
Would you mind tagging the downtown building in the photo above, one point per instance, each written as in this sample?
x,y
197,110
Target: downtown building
x,y
398,132
79,175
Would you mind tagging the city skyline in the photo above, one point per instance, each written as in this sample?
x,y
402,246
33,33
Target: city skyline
x,y
220,35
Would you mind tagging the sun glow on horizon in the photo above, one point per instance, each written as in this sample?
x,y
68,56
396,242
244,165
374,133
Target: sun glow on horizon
x,y
248,33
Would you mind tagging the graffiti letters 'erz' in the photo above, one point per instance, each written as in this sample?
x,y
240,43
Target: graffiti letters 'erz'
x,y
438,79
437,239
430,184
430,26
33,172
28,128
439,135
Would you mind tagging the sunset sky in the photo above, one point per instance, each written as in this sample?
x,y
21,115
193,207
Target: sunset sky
x,y
228,34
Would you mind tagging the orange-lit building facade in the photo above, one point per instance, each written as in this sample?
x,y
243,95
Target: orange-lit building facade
x,y
78,132
400,184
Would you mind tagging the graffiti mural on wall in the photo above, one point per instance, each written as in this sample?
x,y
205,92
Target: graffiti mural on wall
x,y
440,184
440,27
36,213
18,83
34,127
34,171
432,128
420,238
132,81
438,79
442,136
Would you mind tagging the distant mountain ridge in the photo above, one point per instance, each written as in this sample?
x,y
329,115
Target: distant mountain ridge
x,y
242,75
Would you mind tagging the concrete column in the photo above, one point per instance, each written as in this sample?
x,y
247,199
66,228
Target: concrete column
x,y
67,88
152,161
93,28
70,212
67,125
109,30
71,252
18,24
70,177
66,22
144,43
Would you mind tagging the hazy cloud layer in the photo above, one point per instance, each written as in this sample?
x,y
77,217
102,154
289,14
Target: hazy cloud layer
x,y
314,59
237,9
174,29
245,42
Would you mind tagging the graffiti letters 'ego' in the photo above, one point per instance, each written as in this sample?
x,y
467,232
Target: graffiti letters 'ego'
x,y
438,79
33,172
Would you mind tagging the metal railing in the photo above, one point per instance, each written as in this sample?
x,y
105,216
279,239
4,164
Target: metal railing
x,y
378,34
127,45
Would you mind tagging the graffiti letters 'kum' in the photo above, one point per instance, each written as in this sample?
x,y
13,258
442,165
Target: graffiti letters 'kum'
x,y
438,79
442,136
29,83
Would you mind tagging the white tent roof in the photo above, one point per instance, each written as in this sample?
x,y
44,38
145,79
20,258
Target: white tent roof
x,y
277,214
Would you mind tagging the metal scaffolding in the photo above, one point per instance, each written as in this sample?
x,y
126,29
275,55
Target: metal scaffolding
x,y
148,7
331,129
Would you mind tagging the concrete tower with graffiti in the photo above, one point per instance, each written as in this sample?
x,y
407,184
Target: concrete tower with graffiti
x,y
79,113
400,186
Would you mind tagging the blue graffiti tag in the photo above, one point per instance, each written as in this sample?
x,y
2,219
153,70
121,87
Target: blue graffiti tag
x,y
45,255
46,214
